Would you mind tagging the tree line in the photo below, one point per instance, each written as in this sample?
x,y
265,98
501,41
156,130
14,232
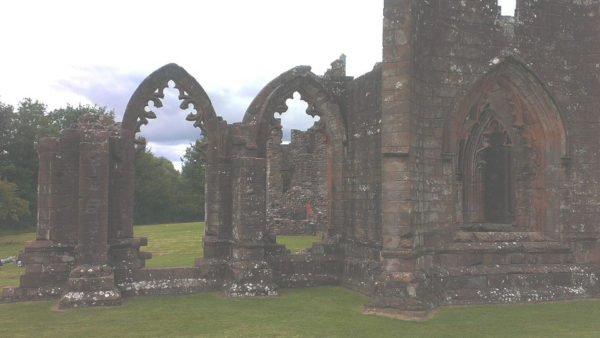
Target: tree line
x,y
162,194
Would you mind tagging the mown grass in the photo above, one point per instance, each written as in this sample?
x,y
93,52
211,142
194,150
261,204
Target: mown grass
x,y
297,243
10,245
316,312
177,244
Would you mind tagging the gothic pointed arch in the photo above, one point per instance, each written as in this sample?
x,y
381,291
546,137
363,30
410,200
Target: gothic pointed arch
x,y
322,102
509,142
272,98
151,89
213,148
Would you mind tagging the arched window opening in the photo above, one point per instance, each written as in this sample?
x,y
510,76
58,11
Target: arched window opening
x,y
496,169
297,174
169,179
296,117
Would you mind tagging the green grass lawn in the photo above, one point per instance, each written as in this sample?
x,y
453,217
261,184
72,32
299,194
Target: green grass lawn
x,y
180,243
175,244
11,245
315,312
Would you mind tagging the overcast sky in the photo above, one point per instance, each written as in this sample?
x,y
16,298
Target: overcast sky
x,y
98,52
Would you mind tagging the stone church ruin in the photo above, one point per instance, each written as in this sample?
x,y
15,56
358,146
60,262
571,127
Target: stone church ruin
x,y
463,169
297,182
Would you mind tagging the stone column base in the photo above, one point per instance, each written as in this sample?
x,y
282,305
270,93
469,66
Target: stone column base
x,y
46,264
91,285
126,257
215,247
251,279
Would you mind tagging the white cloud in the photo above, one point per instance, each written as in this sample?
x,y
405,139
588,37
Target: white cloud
x,y
97,52
172,152
508,7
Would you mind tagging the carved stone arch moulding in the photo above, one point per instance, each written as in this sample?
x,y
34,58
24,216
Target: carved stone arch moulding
x,y
151,89
530,97
511,103
272,98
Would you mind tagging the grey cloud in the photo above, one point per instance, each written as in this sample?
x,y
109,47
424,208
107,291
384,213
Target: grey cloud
x,y
104,86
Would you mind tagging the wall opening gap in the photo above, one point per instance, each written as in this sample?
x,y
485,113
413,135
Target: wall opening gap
x,y
297,179
508,7
168,192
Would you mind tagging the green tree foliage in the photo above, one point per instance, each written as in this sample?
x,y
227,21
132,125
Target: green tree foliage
x,y
20,131
63,118
156,182
162,194
12,208
190,201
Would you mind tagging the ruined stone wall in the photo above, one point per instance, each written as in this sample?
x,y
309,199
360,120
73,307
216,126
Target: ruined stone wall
x,y
560,40
302,208
362,181
456,44
437,57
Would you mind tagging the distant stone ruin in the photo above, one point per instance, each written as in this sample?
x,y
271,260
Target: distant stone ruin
x,y
463,169
297,183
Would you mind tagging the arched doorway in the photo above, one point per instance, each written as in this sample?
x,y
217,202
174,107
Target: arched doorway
x,y
217,234
509,143
322,103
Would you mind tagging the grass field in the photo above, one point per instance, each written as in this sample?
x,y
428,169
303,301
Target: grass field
x,y
315,312
11,245
175,244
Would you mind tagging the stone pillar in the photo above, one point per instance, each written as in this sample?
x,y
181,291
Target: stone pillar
x,y
217,192
124,253
252,275
49,258
274,181
48,149
216,240
91,282
398,287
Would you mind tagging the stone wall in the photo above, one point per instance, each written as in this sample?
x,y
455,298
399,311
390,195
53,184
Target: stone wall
x,y
362,182
298,192
450,65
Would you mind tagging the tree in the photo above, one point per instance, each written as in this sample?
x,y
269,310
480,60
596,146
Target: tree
x,y
155,188
190,200
20,131
11,207
63,118
6,116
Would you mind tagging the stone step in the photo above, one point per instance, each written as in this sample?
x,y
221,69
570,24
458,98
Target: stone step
x,y
458,254
518,283
187,272
514,295
489,227
498,276
469,236
513,246
466,259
